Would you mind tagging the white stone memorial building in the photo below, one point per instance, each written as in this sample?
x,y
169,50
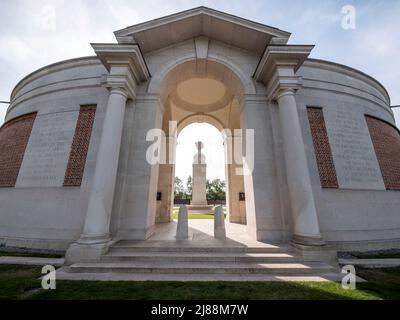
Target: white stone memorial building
x,y
73,169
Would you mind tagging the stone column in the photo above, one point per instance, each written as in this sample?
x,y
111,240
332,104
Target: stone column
x,y
97,221
306,227
95,238
126,70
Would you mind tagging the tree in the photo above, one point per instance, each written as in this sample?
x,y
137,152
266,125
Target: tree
x,y
179,190
215,189
189,187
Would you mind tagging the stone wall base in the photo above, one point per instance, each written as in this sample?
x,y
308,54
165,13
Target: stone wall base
x,y
40,244
366,245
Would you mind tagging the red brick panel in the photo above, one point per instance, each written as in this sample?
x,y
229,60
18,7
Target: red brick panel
x,y
386,141
326,168
14,136
80,146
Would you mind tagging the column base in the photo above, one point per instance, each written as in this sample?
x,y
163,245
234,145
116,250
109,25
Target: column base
x,y
308,240
94,239
323,253
84,250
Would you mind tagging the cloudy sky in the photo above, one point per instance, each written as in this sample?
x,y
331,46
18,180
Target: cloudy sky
x,y
34,33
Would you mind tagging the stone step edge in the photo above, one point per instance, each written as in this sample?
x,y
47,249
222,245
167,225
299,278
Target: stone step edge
x,y
202,254
205,264
202,271
200,249
121,258
205,268
117,258
317,277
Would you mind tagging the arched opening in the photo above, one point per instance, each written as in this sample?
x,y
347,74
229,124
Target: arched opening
x,y
201,91
200,178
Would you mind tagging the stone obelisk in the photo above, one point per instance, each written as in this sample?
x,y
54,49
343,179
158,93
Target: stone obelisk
x,y
199,178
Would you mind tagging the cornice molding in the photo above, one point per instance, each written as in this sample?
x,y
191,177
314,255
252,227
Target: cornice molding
x,y
278,65
126,65
52,68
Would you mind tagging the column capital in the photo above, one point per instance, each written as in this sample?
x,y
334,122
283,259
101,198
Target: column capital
x,y
285,92
283,82
118,90
278,66
120,86
125,65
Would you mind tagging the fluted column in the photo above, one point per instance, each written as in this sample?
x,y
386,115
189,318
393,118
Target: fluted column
x,y
97,223
306,227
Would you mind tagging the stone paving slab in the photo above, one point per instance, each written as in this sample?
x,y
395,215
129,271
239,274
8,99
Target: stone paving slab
x,y
32,261
63,275
371,263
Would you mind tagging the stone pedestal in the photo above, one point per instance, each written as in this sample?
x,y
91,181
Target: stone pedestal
x,y
182,231
219,223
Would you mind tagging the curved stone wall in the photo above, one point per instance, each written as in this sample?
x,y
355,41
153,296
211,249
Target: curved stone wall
x,y
54,122
341,111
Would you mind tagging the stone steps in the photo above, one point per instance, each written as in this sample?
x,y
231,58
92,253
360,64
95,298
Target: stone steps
x,y
203,267
62,274
197,257
201,261
189,247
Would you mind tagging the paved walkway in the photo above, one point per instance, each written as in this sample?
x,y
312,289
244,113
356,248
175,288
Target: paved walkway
x,y
202,230
371,263
32,261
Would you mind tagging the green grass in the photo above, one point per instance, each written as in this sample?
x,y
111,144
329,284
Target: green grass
x,y
21,282
201,290
195,215
17,281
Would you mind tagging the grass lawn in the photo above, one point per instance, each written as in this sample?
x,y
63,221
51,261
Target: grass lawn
x,y
195,215
21,282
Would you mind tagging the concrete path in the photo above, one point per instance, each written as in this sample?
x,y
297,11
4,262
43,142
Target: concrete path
x,y
371,263
32,261
63,274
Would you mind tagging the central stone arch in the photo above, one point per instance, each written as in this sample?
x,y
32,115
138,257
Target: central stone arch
x,y
197,91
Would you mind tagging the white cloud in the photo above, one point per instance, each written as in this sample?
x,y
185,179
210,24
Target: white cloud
x,y
16,50
47,19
